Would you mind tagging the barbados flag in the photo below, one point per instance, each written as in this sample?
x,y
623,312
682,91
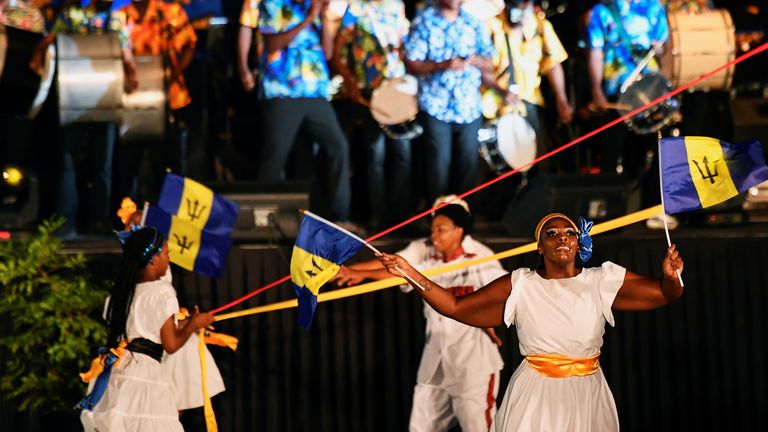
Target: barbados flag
x,y
189,247
699,172
191,201
321,247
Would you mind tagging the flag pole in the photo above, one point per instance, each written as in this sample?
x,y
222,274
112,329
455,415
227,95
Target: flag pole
x,y
354,236
663,209
144,213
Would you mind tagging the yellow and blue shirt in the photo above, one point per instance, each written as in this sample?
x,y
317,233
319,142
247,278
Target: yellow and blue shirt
x,y
373,35
535,50
76,20
300,69
643,22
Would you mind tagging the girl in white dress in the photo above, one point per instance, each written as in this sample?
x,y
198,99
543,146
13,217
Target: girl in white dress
x,y
559,311
141,315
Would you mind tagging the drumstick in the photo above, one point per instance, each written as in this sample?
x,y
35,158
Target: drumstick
x,y
610,105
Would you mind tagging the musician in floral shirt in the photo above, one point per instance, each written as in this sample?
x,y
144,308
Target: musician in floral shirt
x,y
367,50
295,79
447,48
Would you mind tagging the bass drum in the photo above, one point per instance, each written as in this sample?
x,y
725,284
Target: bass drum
x,y
90,78
507,143
145,109
698,44
22,91
394,106
647,88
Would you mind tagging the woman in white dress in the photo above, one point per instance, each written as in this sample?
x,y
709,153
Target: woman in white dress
x,y
141,313
559,311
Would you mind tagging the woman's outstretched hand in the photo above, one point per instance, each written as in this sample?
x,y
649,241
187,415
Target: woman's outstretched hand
x,y
672,263
395,264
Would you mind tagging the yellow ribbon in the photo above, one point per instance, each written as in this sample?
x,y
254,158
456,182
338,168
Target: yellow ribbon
x,y
394,281
97,365
560,366
210,417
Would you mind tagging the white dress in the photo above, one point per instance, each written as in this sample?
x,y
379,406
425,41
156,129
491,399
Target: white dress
x,y
183,369
567,317
139,396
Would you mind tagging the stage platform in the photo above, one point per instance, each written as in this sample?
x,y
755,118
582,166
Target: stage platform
x,y
694,365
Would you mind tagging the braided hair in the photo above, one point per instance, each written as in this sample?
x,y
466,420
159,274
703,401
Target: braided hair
x,y
138,250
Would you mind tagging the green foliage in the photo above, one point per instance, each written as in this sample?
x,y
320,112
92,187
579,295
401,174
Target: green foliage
x,y
49,313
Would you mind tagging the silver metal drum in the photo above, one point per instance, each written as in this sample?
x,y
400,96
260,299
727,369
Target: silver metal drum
x,y
90,79
144,110
22,91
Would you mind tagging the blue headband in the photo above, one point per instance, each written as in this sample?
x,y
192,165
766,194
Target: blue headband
x,y
153,248
585,241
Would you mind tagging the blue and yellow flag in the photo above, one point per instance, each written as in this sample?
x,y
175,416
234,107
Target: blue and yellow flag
x,y
189,247
320,249
699,172
191,201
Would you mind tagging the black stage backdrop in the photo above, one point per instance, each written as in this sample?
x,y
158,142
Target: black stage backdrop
x,y
694,365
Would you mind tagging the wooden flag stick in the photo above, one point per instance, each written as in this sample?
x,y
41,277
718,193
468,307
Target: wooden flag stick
x,y
663,210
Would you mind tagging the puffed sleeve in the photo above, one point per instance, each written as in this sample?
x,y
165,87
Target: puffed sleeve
x,y
514,295
610,281
162,306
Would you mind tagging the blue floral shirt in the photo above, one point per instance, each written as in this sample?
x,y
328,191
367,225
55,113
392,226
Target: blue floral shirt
x,y
644,22
300,69
451,96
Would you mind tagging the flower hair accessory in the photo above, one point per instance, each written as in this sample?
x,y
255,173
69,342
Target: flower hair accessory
x,y
585,241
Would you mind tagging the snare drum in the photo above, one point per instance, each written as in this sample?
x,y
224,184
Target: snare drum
x,y
394,106
145,109
90,78
646,88
699,43
507,143
22,91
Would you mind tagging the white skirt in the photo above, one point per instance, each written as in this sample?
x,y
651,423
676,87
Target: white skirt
x,y
533,402
139,398
183,369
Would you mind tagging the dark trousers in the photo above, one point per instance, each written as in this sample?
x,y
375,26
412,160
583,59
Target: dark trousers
x,y
142,181
386,163
282,118
99,140
451,156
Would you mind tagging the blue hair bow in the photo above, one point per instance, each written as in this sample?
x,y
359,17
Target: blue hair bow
x,y
123,236
585,241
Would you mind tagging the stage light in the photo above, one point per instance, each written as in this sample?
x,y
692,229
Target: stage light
x,y
12,176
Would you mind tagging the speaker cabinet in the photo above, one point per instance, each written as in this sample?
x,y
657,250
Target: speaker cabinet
x,y
268,211
597,197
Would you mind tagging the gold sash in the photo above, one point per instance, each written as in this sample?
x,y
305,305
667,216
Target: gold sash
x,y
560,366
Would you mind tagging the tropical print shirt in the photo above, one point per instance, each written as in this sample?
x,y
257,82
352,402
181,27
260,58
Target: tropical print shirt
x,y
249,14
452,96
643,22
24,16
535,50
373,33
300,69
76,20
164,30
